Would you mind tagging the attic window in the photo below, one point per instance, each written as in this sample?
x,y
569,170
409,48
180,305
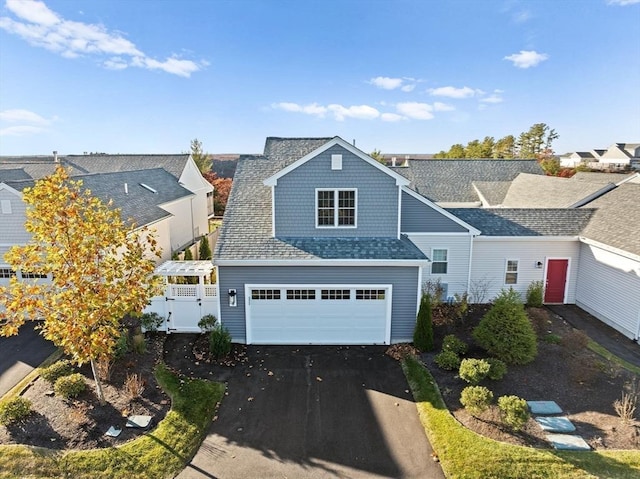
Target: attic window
x,y
6,207
336,162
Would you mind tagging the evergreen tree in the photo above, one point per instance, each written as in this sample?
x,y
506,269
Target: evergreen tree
x,y
423,332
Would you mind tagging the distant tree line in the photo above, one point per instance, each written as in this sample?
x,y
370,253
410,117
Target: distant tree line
x,y
533,143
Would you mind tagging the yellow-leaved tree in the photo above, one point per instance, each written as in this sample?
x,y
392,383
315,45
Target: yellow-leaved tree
x,y
99,267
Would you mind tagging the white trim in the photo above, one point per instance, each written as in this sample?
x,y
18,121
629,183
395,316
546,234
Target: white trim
x,y
611,249
544,239
273,211
419,290
273,180
386,286
4,186
217,270
322,262
471,204
506,271
399,212
441,210
470,262
437,234
566,278
336,208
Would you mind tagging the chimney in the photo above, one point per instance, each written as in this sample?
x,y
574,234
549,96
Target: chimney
x,y
126,189
393,161
55,157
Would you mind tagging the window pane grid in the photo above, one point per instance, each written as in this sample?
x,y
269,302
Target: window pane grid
x,y
7,273
370,294
336,208
33,275
301,294
260,294
511,275
335,294
440,261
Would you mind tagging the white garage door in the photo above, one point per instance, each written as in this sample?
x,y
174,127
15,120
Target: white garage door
x,y
318,314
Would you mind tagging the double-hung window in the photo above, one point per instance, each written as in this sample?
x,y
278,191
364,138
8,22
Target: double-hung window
x,y
336,208
439,261
511,275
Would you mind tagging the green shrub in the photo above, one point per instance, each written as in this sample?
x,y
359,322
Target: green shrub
x,y
473,370
476,399
207,322
447,360
14,410
452,343
497,369
205,250
56,370
505,331
220,342
534,294
138,344
151,321
188,255
70,386
515,413
122,345
423,332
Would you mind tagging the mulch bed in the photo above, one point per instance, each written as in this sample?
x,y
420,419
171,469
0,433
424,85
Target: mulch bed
x,y
584,385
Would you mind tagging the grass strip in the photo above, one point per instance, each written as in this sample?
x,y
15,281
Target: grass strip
x,y
467,455
160,453
609,356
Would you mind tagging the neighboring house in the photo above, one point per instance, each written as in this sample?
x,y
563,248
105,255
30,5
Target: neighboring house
x,y
164,192
320,244
617,156
450,183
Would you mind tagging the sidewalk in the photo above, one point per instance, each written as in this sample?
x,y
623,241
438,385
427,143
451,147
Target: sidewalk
x,y
601,333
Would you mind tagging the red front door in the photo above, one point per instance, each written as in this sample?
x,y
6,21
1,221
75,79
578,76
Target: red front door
x,y
556,280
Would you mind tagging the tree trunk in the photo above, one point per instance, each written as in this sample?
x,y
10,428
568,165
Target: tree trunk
x,y
97,381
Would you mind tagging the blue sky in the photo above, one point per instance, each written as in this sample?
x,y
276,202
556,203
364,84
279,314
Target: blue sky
x,y
143,76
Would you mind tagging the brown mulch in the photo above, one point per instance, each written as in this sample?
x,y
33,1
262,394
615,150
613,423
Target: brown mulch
x,y
584,385
581,382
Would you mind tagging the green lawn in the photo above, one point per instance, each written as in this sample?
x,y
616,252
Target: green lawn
x,y
161,453
465,454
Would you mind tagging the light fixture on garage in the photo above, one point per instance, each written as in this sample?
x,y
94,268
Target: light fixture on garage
x,y
233,298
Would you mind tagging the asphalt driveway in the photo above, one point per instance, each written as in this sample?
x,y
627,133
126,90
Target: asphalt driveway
x,y
316,412
21,354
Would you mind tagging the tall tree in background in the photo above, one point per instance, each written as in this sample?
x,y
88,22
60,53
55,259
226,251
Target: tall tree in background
x,y
377,155
456,151
505,147
221,190
202,159
100,270
538,139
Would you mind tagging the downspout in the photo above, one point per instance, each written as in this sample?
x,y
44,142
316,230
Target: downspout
x,y
471,238
193,236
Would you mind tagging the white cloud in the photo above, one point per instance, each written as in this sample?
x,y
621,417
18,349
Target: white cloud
x,y
312,109
392,117
526,58
415,110
387,83
362,112
408,88
22,130
438,106
622,3
492,99
23,116
41,27
453,92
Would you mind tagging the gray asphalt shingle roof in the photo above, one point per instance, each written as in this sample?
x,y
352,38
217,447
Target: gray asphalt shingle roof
x,y
246,230
525,221
616,221
138,204
536,191
40,166
493,191
450,181
291,149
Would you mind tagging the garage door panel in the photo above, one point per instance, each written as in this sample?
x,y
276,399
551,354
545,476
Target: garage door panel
x,y
319,321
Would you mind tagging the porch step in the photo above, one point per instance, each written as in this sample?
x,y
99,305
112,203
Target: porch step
x,y
555,424
568,442
544,407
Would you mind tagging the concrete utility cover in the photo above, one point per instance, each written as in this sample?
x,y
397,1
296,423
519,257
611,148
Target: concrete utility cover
x,y
113,432
141,422
556,424
544,407
567,442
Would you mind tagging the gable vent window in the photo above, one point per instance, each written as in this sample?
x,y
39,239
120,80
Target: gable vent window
x,y
440,261
511,276
5,207
336,208
336,162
